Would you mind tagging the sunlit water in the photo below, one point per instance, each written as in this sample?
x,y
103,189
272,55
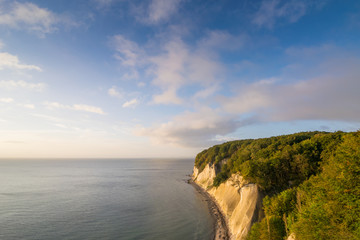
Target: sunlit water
x,y
100,199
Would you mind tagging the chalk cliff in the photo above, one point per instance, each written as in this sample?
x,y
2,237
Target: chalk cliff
x,y
206,177
239,200
291,237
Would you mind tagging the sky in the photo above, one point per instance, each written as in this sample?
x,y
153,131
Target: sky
x,y
169,78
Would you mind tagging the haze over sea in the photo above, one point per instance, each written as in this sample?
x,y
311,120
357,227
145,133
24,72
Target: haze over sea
x,y
100,199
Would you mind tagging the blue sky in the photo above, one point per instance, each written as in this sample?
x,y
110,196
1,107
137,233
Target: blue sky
x,y
168,78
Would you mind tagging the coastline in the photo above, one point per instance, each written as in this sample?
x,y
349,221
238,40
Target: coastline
x,y
221,230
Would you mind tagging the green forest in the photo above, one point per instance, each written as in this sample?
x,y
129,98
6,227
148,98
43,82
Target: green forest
x,y
310,182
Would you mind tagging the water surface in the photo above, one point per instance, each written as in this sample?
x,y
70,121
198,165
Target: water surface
x,y
100,199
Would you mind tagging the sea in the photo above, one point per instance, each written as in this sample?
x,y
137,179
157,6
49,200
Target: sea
x,y
101,199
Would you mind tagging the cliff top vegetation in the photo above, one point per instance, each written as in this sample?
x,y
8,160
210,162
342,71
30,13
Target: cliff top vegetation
x,y
311,182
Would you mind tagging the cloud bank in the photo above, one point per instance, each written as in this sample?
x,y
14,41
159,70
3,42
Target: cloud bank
x,y
176,66
332,94
192,129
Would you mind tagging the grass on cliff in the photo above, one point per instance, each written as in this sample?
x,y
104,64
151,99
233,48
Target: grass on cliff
x,y
311,181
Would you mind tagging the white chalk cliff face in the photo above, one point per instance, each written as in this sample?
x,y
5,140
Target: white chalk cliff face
x,y
206,178
239,200
291,237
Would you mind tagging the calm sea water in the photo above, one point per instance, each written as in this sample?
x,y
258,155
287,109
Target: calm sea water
x,y
100,199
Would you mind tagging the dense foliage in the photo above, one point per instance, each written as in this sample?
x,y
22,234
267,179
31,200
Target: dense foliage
x,y
275,163
311,181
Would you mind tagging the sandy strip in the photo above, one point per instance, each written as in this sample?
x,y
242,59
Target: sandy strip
x,y
221,229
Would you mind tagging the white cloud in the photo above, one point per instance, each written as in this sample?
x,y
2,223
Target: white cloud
x,y
250,97
333,95
132,74
168,96
76,107
141,84
127,51
131,103
113,92
162,10
179,67
203,69
170,67
6,100
27,16
52,105
176,66
88,108
11,84
32,18
207,92
120,94
271,11
29,106
155,11
192,129
48,118
9,61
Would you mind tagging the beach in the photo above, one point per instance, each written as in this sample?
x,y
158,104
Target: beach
x,y
221,231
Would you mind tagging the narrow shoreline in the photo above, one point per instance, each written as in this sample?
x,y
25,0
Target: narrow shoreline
x,y
221,230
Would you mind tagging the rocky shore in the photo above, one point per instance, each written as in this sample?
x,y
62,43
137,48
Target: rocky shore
x,y
221,231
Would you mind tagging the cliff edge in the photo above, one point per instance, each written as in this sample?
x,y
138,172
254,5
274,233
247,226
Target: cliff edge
x,y
239,200
298,186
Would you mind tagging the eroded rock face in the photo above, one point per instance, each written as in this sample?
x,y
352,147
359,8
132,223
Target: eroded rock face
x,y
239,200
206,178
291,237
241,203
